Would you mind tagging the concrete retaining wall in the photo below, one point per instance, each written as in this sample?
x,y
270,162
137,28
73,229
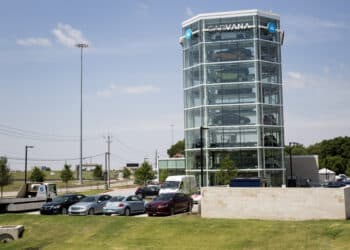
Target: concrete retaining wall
x,y
276,203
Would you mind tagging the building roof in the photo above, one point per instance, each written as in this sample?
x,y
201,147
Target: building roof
x,y
326,171
214,15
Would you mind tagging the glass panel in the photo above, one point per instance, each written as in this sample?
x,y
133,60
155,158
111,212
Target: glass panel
x,y
235,115
270,73
193,97
193,139
193,76
221,52
216,137
194,160
269,51
271,115
222,73
232,137
273,158
193,118
242,159
249,159
249,137
192,56
271,94
232,94
248,115
272,137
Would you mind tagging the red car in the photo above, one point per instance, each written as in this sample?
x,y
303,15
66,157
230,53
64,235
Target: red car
x,y
169,204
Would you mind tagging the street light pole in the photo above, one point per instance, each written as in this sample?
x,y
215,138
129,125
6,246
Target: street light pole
x,y
81,46
291,145
25,163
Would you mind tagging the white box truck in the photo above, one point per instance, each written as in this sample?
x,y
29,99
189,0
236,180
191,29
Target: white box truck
x,y
179,184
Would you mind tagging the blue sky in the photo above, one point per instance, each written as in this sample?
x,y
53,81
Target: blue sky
x,y
133,77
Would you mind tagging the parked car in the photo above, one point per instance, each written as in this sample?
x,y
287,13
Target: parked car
x,y
169,204
89,205
150,190
60,204
335,184
124,205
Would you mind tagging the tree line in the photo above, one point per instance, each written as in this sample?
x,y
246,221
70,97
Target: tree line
x,y
333,154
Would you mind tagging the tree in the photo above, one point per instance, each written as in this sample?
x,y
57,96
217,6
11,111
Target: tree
x,y
227,171
37,175
144,174
97,174
177,148
335,163
5,175
298,149
126,173
163,174
66,174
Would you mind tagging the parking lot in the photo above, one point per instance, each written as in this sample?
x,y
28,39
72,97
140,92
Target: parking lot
x,y
127,192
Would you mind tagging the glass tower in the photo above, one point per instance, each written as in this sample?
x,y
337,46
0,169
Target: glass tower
x,y
233,94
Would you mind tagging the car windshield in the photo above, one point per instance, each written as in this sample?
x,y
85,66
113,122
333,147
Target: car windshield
x,y
171,184
60,199
164,197
89,199
117,198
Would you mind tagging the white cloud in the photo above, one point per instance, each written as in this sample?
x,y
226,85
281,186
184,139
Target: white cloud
x,y
141,89
189,11
135,90
68,36
295,80
34,41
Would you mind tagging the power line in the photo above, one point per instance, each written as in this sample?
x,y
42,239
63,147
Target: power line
x,y
17,132
62,159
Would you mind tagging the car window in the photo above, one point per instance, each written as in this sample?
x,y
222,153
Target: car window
x,y
106,197
117,198
135,198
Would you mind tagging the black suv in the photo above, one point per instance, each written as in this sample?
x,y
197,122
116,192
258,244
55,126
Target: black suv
x,y
147,191
60,204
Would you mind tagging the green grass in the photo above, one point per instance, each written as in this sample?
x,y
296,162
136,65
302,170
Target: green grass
x,y
181,232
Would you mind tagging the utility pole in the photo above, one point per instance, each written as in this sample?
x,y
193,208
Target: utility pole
x,y
81,46
156,164
105,176
108,140
25,163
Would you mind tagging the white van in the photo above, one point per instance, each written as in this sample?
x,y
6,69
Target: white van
x,y
179,183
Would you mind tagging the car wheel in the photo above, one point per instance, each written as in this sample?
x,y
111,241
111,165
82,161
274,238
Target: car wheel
x,y
5,238
64,210
172,211
91,211
150,215
127,211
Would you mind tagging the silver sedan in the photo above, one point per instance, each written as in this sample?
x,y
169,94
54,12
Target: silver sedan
x,y
89,205
124,205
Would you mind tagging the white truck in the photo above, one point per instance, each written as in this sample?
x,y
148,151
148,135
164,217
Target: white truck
x,y
179,184
31,196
